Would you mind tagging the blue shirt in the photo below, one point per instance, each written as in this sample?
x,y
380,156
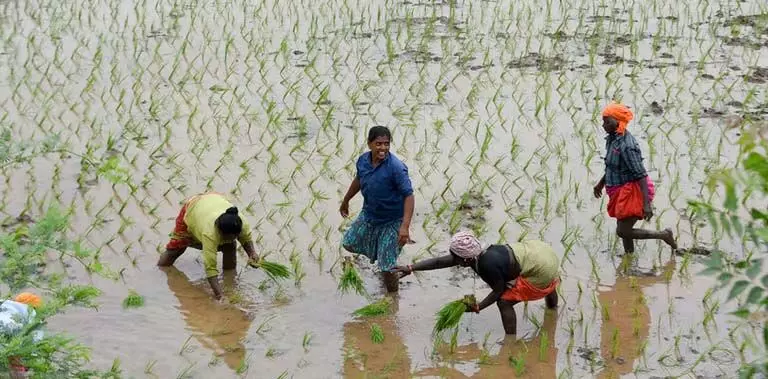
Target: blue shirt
x,y
384,188
623,160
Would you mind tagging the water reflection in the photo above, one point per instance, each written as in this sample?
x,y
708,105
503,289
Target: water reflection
x,y
517,358
627,319
365,359
220,328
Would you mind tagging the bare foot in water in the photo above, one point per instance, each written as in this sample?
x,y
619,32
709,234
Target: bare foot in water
x,y
669,238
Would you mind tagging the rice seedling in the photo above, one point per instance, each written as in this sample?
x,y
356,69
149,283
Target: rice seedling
x,y
133,300
543,346
263,326
350,279
186,372
149,367
306,341
377,308
377,334
450,314
517,363
273,270
185,347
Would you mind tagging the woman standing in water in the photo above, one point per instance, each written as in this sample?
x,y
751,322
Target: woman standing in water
x,y
524,271
209,222
382,228
630,190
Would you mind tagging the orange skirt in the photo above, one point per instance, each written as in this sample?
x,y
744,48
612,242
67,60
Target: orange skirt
x,y
626,201
525,291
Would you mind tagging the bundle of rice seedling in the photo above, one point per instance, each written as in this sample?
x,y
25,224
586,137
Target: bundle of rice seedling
x,y
350,278
273,269
450,314
377,335
377,308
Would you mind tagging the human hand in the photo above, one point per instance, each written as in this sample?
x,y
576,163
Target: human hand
x,y
403,235
253,260
403,271
474,308
344,209
598,190
647,211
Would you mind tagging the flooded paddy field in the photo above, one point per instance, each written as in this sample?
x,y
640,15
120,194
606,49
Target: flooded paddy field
x,y
495,108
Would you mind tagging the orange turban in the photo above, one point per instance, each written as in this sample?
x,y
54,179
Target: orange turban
x,y
29,299
620,113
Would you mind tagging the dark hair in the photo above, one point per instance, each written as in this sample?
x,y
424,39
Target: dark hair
x,y
229,222
379,131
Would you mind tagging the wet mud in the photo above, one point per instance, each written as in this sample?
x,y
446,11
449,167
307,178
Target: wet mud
x,y
493,105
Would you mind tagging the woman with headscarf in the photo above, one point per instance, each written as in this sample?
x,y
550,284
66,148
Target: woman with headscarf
x,y
209,222
524,271
382,228
629,188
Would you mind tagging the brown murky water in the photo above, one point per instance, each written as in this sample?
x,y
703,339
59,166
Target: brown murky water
x,y
271,101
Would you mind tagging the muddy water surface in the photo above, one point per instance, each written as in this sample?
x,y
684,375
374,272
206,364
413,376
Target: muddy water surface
x,y
494,106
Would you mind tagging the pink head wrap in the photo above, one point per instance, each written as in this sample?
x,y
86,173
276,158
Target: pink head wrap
x,y
465,245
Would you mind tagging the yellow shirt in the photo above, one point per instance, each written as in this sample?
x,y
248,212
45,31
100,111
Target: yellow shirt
x,y
538,262
202,212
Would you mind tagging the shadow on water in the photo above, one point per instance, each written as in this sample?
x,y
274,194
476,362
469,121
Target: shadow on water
x,y
220,328
517,358
627,318
365,359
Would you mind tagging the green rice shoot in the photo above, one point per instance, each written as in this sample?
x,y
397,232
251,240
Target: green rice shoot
x,y
450,315
273,270
133,300
377,335
377,308
350,279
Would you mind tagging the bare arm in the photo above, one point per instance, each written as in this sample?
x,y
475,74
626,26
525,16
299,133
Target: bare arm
x,y
353,189
492,297
404,234
644,189
248,247
214,282
647,210
408,211
598,189
435,263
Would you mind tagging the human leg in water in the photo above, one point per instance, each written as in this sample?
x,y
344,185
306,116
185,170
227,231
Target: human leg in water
x,y
626,230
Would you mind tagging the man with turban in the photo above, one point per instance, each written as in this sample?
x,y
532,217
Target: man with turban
x,y
629,188
524,271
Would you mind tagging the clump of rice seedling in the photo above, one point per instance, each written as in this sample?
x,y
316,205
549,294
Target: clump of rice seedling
x,y
377,308
517,363
350,279
377,335
134,300
450,314
273,269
